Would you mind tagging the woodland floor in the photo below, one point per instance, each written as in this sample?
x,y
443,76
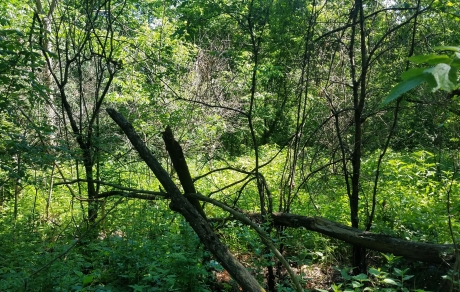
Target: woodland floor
x,y
322,276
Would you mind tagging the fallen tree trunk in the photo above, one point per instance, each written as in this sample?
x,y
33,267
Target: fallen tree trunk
x,y
182,205
420,251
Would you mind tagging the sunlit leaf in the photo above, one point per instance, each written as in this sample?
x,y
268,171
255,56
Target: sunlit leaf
x,y
374,272
390,281
441,74
356,284
447,48
431,59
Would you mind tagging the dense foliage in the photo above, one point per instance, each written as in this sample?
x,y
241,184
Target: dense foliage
x,y
346,110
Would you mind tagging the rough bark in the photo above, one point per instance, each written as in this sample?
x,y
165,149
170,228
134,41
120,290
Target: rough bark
x,y
180,204
425,252
180,165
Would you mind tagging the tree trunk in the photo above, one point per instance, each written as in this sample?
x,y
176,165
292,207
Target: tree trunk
x,y
46,18
92,202
50,195
181,167
420,251
180,204
17,182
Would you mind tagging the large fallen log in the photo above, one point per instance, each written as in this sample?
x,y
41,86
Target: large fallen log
x,y
425,252
420,251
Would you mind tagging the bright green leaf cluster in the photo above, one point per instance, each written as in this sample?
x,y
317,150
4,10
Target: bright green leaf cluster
x,y
443,76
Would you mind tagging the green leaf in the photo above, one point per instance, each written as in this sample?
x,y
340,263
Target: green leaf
x,y
412,73
356,284
441,74
344,274
78,273
390,281
403,87
361,277
400,272
456,62
430,79
447,48
87,279
453,76
431,59
407,277
374,272
336,287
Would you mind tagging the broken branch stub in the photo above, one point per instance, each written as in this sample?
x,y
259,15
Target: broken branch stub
x,y
180,165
